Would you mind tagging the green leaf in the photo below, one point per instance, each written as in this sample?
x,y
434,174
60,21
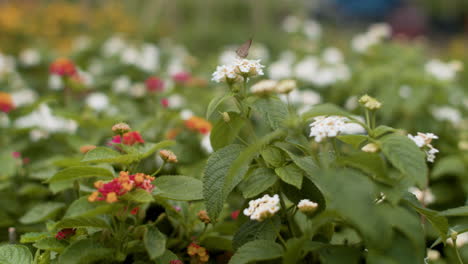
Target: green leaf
x,y
41,212
354,140
291,174
339,255
369,163
217,242
254,230
80,172
82,207
403,153
214,175
438,221
149,148
80,221
257,250
8,164
166,257
85,251
15,254
273,156
176,187
382,130
259,181
272,110
450,165
214,103
138,196
324,110
458,211
50,243
224,133
33,237
108,155
155,242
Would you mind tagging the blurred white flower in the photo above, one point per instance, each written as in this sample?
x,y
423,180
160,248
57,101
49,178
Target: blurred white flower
x,y
96,67
4,120
113,46
281,69
175,65
306,69
433,254
121,84
312,29
149,58
258,50
97,101
7,65
351,103
227,57
426,197
206,144
55,82
176,101
38,134
30,57
291,24
332,56
405,91
443,71
86,78
138,90
43,119
24,97
447,113
462,239
130,55
263,208
264,87
375,34
81,43
186,114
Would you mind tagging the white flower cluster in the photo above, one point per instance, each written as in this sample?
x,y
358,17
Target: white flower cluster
x,y
443,71
331,126
310,28
374,35
447,113
307,206
304,99
238,70
272,86
263,208
325,70
426,197
423,141
7,65
30,57
97,101
45,122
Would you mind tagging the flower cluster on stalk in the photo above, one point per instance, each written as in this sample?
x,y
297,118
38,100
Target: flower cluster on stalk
x,y
198,253
423,141
110,191
263,208
238,71
326,127
198,124
130,138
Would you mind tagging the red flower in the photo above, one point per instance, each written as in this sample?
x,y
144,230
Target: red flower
x,y
176,262
181,77
235,214
135,210
129,138
16,154
6,102
63,67
154,84
165,102
65,233
198,124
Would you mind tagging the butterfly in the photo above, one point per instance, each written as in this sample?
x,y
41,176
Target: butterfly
x,y
243,50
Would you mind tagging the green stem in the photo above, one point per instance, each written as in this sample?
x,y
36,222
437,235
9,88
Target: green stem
x,y
335,147
158,170
455,249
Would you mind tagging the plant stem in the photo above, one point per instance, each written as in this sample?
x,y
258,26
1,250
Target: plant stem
x,y
158,170
455,249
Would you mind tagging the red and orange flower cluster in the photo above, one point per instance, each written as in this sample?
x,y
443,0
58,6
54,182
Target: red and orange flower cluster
x,y
130,138
6,102
65,233
198,253
110,191
198,124
63,67
154,84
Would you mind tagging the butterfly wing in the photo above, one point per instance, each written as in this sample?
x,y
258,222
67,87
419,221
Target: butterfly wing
x,y
243,50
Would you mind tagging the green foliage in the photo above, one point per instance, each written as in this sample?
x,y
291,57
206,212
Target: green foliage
x,y
176,187
155,242
223,133
290,174
272,110
253,230
258,182
81,221
65,178
42,212
85,251
257,250
15,254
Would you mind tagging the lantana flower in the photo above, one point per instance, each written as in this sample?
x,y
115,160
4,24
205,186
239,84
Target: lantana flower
x,y
6,102
238,70
154,84
263,208
65,233
198,253
326,127
198,124
423,141
110,191
63,67
129,138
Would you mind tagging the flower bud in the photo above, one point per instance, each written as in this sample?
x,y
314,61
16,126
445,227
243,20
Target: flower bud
x,y
168,156
203,216
226,116
307,207
264,87
121,128
86,148
286,86
453,235
433,254
371,148
370,102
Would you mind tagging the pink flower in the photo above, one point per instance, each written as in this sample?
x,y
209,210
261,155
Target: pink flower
x,y
16,154
154,84
235,214
129,138
181,77
165,102
65,233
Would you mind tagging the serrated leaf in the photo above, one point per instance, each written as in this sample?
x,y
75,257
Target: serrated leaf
x,y
80,221
254,230
224,133
290,174
214,175
273,156
177,187
80,172
50,243
15,254
85,251
257,250
369,163
353,140
260,180
155,242
166,257
214,103
41,212
272,109
108,155
382,130
458,211
404,155
439,222
33,237
82,207
149,148
138,196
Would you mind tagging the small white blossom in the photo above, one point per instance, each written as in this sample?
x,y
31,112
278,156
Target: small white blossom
x,y
405,91
443,71
113,46
248,68
307,206
121,84
326,127
376,33
447,113
30,57
423,141
55,82
312,29
206,144
264,87
426,197
24,97
186,114
138,90
280,69
263,208
97,101
225,73
433,254
291,24
44,120
286,86
176,101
